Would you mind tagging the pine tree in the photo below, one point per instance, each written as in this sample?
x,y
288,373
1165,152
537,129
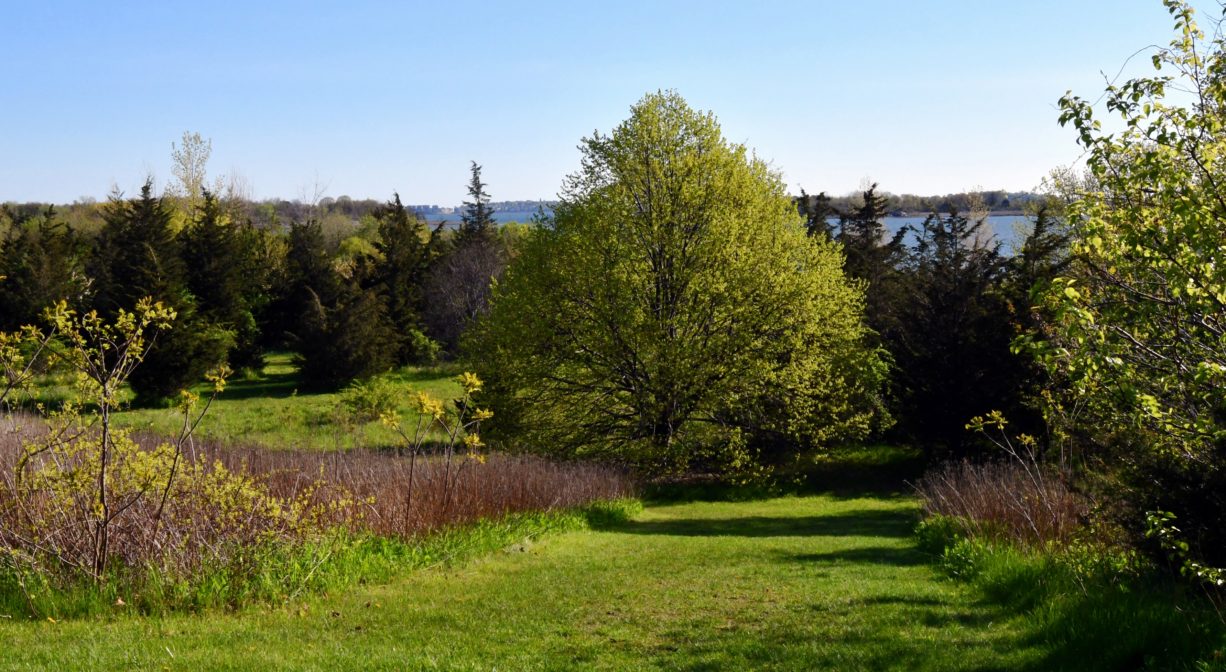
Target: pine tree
x,y
400,274
817,211
477,221
137,256
874,256
41,262
952,343
341,329
225,278
458,286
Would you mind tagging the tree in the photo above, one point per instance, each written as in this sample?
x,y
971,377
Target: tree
x,y
817,211
1139,322
874,256
951,345
478,218
189,165
340,329
405,250
41,262
458,286
674,312
138,255
227,278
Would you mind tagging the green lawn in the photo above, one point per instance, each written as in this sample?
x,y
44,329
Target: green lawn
x,y
271,410
792,583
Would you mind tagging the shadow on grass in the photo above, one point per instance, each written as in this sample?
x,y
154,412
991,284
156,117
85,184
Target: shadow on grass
x,y
270,385
846,473
878,555
870,523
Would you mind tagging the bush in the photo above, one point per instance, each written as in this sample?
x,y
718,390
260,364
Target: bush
x,y
368,400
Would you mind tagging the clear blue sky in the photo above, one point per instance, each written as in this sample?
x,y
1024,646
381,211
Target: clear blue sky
x,y
364,97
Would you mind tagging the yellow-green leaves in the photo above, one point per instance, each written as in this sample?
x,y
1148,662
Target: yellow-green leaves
x,y
673,300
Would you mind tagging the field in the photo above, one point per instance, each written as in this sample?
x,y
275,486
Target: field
x,y
269,409
793,583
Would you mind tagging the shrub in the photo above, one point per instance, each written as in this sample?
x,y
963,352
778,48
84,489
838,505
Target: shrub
x,y
368,400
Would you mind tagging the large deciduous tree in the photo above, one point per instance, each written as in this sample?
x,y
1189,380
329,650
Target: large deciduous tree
x,y
1141,322
674,310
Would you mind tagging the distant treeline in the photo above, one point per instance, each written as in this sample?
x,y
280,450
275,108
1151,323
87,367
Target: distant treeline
x,y
996,202
86,215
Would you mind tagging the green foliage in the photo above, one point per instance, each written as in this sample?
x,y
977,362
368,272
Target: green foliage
x,y
340,330
1137,322
951,342
368,400
1093,608
874,257
937,534
41,262
477,221
405,251
673,303
345,340
139,255
464,268
817,212
227,277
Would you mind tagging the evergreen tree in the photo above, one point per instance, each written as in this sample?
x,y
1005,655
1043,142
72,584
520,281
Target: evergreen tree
x,y
817,211
350,339
458,286
952,343
341,330
404,246
41,262
875,257
477,221
226,278
137,256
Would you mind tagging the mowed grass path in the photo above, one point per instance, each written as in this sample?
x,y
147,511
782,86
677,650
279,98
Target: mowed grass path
x,y
794,583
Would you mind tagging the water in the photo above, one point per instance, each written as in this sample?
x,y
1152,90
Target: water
x,y
1009,230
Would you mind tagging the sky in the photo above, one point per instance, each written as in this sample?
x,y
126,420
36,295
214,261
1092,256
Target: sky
x,y
364,98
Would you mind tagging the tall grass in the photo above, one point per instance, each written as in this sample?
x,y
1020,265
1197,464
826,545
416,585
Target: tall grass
x,y
1025,504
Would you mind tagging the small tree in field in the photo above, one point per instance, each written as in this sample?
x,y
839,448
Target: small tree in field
x,y
675,308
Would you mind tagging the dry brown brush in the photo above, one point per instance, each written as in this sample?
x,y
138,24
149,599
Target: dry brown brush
x,y
1032,505
229,500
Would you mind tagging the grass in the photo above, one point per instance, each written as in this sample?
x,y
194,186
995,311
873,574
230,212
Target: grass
x,y
1093,610
788,583
269,409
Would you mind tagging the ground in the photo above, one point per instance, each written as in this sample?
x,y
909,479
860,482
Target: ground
x,y
794,583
